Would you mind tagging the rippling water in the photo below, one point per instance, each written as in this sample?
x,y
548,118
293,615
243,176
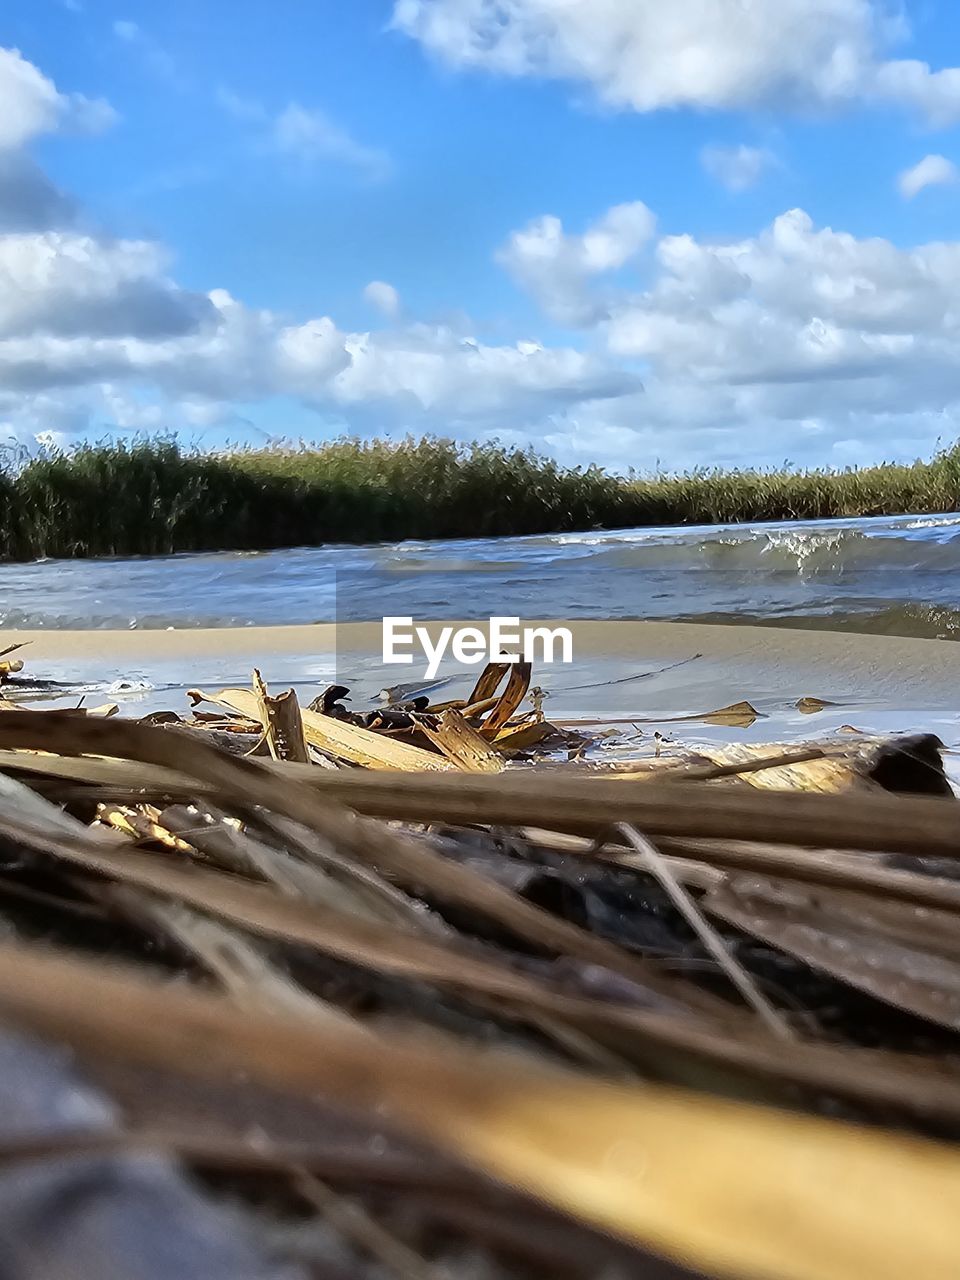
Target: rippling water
x,y
899,576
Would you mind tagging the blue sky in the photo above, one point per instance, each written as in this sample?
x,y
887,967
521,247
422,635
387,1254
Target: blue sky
x,y
714,231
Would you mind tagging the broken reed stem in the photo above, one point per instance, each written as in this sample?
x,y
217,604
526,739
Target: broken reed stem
x,y
557,800
242,968
712,772
282,722
354,1165
652,861
861,1201
246,785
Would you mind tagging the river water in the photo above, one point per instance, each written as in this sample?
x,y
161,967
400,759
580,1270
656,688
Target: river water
x,y
891,575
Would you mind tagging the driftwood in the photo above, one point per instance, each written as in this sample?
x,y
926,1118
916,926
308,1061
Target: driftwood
x,y
341,739
462,744
282,723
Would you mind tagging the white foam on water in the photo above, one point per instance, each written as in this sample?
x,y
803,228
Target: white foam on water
x,y
933,522
129,686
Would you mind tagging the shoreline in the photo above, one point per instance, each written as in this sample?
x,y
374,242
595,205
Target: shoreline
x,y
602,635
886,661
665,677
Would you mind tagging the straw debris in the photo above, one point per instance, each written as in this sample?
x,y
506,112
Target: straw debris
x,y
406,988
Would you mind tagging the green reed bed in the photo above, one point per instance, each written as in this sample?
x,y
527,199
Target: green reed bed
x,y
154,498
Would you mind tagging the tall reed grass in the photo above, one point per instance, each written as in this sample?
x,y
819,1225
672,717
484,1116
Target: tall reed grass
x,y
154,498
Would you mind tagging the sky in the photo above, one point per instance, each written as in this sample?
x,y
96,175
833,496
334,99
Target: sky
x,y
636,233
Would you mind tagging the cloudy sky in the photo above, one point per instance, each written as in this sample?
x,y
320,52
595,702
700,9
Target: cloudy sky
x,y
637,232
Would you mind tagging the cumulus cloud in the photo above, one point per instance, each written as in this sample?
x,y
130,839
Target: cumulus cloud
x,y
420,375
440,374
95,327
645,55
383,297
559,269
932,171
793,343
737,168
28,199
84,314
800,342
793,304
65,284
30,104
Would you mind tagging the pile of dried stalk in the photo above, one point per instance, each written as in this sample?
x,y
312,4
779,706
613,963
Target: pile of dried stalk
x,y
419,1014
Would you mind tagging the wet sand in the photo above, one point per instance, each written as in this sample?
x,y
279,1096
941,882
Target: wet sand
x,y
645,671
888,666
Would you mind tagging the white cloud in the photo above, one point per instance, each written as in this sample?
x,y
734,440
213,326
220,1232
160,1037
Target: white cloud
x,y
29,102
383,297
419,376
793,304
65,284
796,342
93,329
128,31
558,269
932,171
427,371
309,135
737,168
644,55
799,342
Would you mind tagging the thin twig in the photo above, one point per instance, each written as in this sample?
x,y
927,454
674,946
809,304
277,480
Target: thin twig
x,y
710,772
657,866
241,966
354,1164
641,675
352,1220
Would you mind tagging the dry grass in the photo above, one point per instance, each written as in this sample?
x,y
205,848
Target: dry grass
x,y
474,962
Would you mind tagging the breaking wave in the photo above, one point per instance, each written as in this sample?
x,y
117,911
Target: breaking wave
x,y
798,551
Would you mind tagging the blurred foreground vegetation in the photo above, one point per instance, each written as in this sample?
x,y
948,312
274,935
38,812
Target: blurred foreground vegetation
x,y
155,498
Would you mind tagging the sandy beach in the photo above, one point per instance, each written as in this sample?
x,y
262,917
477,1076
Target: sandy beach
x,y
887,662
651,671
